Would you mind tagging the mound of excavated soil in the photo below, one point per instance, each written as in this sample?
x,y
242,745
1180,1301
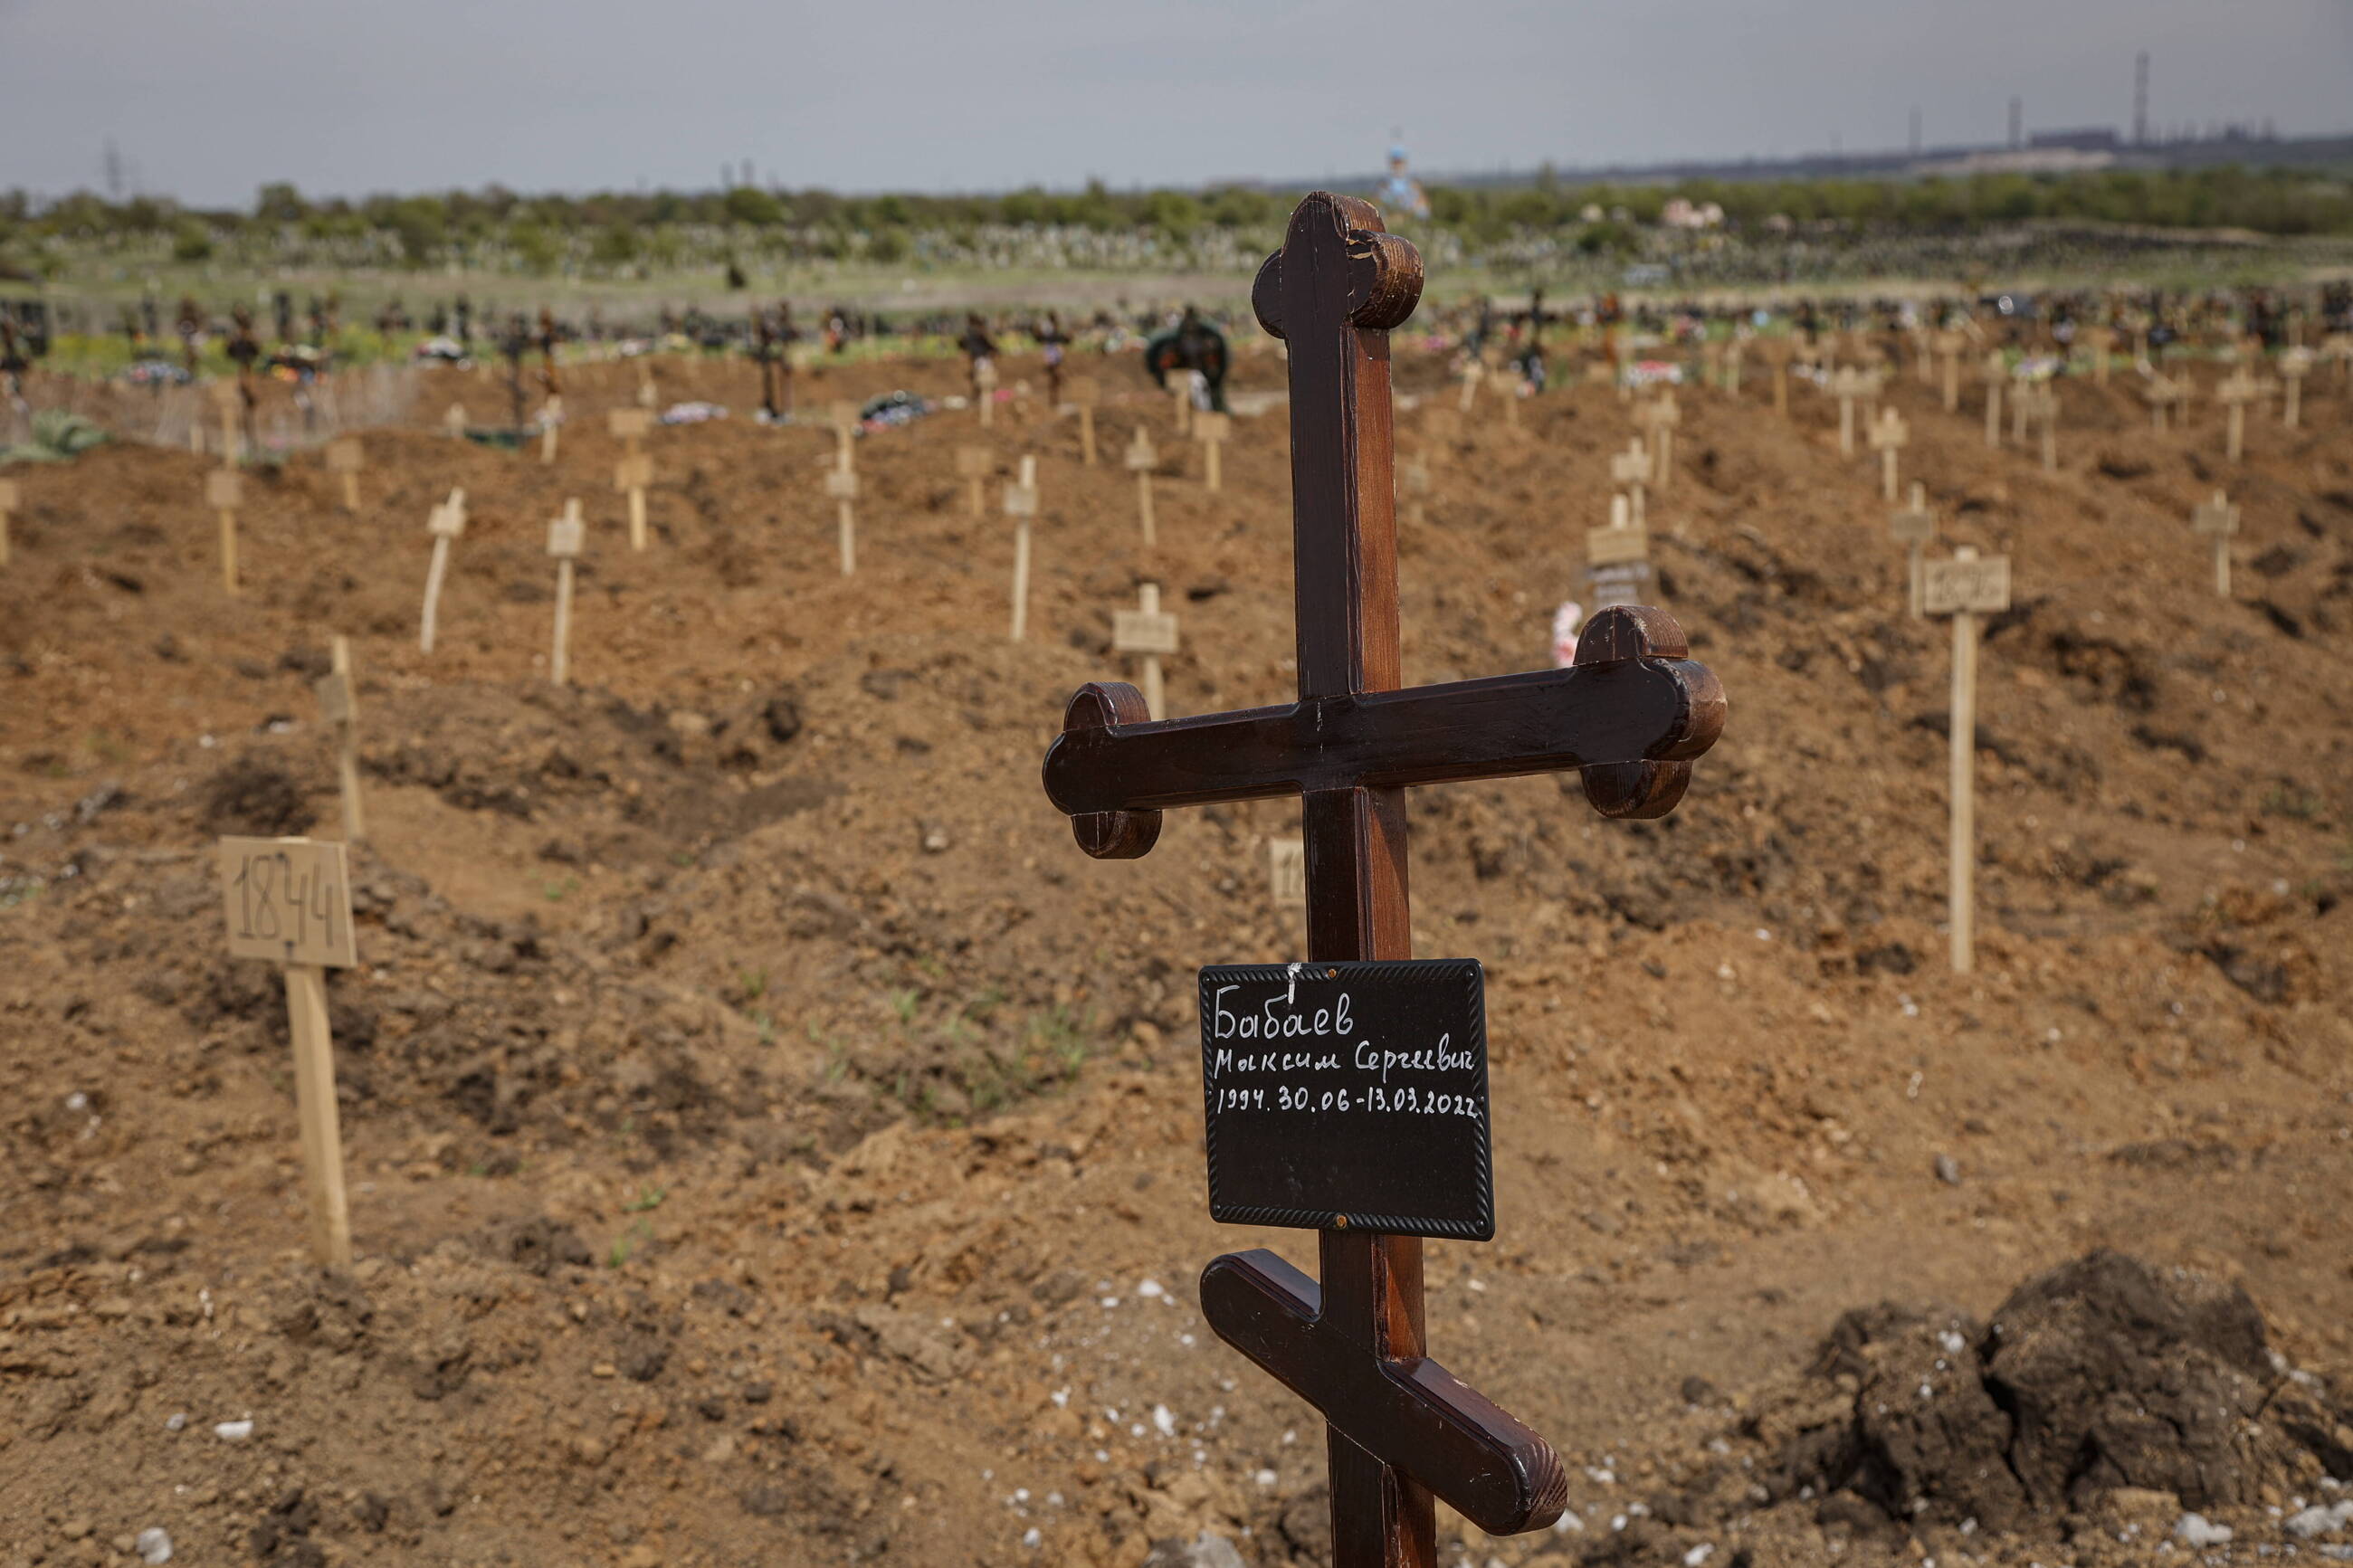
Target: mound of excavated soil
x,y
2107,1390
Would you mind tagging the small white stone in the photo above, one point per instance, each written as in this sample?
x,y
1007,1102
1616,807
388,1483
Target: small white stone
x,y
233,1431
2196,1530
1700,1554
1567,1523
1150,1291
1031,1538
1165,1420
153,1545
176,1421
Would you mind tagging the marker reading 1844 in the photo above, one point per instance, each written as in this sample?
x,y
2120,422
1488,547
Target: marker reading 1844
x,y
1349,1096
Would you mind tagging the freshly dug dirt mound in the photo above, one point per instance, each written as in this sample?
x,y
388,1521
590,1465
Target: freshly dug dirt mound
x,y
2103,1373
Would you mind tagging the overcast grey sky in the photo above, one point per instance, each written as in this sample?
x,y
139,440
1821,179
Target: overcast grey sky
x,y
210,98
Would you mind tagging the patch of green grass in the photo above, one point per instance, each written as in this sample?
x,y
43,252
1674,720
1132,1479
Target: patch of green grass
x,y
753,982
2291,800
555,892
902,1003
648,1198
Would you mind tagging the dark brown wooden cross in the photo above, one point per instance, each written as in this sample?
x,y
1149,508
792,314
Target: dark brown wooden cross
x,y
1630,713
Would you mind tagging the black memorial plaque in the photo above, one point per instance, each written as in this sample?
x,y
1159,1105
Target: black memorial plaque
x,y
1349,1096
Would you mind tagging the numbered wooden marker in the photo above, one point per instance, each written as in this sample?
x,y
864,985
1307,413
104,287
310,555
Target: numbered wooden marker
x,y
1617,559
1022,506
1211,430
10,499
2161,394
1141,461
630,425
446,522
1150,633
339,710
1473,372
1286,872
1965,587
225,492
2100,343
2218,519
1914,528
566,535
1085,395
551,425
343,459
1889,436
1949,345
288,900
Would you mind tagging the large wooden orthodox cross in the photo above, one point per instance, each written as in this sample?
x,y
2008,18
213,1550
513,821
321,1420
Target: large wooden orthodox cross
x,y
1631,712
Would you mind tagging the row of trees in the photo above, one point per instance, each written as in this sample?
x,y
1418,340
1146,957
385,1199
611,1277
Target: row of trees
x,y
619,229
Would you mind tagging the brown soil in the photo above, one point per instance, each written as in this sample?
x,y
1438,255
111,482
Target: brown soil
x,y
772,1141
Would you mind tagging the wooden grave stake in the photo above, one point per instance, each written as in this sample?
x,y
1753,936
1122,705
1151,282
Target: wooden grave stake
x,y
228,399
1659,418
1965,588
1211,430
1141,460
1846,386
454,422
447,522
984,385
550,424
343,458
2295,365
1949,345
2160,391
841,483
1889,435
1617,559
1474,370
1779,354
2043,406
1996,371
2338,346
632,475
10,499
1085,394
1150,633
225,492
566,535
2218,519
974,465
1631,712
1022,506
339,706
1914,528
2100,343
2236,391
1632,469
290,901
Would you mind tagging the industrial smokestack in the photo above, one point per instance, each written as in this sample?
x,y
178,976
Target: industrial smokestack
x,y
2140,99
2018,123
